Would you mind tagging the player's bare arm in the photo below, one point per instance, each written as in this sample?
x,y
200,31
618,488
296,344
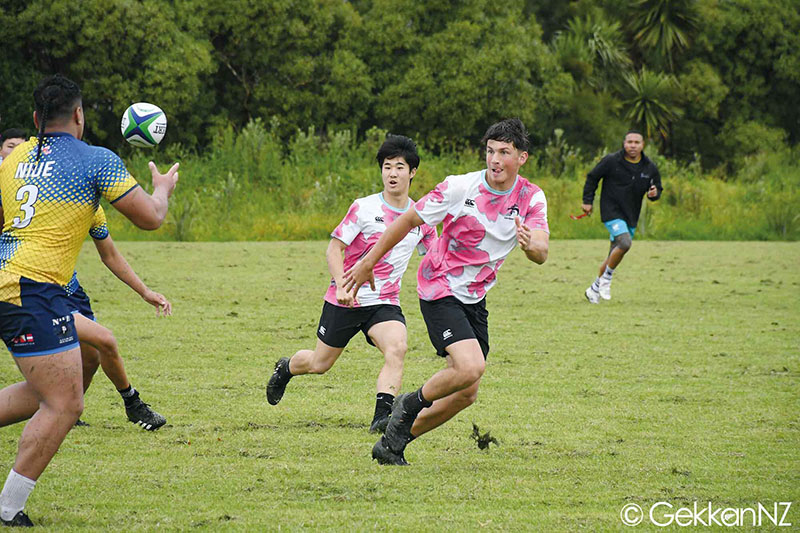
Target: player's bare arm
x,y
397,230
117,264
535,243
336,268
148,211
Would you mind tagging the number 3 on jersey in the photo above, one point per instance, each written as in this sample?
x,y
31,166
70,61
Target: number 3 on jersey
x,y
27,194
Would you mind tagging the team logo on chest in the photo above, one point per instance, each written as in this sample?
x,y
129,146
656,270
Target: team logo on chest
x,y
511,212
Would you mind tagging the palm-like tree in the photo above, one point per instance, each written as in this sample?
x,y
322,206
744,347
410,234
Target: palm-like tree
x,y
650,102
605,40
594,49
574,55
664,26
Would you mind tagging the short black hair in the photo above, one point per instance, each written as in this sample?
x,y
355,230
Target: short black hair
x,y
633,130
510,130
56,97
398,146
13,133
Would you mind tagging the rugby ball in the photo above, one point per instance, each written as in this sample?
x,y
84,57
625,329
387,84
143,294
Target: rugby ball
x,y
143,125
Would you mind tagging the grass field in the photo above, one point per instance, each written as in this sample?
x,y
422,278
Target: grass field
x,y
685,387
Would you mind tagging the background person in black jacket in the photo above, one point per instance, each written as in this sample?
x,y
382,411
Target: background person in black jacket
x,y
627,176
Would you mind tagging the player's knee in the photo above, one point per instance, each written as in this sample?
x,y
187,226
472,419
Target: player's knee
x,y
107,343
76,406
396,352
467,397
471,372
623,242
71,406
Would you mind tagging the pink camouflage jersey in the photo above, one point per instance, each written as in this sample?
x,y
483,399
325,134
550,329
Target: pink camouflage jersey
x,y
478,232
364,224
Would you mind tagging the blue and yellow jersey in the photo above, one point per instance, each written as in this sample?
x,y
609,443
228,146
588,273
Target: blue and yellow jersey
x,y
98,231
49,205
99,227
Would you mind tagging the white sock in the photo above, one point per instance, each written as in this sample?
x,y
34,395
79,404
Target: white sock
x,y
608,273
15,494
596,285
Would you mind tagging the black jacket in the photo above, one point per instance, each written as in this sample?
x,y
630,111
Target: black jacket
x,y
624,185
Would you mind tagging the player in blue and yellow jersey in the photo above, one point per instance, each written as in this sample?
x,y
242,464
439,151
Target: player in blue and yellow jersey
x,y
51,186
98,344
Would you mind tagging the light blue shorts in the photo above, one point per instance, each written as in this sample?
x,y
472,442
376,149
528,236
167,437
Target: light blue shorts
x,y
618,227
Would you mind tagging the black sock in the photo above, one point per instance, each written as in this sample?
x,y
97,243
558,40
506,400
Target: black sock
x,y
129,394
284,372
416,403
383,404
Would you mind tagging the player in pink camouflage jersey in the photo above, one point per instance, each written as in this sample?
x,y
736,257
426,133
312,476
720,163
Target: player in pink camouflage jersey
x,y
374,310
485,215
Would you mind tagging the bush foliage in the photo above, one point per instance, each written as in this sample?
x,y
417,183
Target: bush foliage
x,y
276,111
249,186
703,77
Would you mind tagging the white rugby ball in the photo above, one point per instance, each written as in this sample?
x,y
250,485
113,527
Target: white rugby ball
x,y
143,124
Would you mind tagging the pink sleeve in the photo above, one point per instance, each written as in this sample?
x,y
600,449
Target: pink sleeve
x,y
349,228
428,236
432,208
536,217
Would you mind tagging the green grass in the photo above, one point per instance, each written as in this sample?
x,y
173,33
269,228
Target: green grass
x,y
683,388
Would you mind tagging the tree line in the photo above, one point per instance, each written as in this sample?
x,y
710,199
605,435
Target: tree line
x,y
709,80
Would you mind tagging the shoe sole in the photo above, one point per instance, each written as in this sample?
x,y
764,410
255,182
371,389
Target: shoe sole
x,y
144,425
19,520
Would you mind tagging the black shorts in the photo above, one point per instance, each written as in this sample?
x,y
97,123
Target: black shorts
x,y
337,325
449,320
80,303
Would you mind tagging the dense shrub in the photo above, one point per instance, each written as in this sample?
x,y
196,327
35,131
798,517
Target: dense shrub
x,y
249,186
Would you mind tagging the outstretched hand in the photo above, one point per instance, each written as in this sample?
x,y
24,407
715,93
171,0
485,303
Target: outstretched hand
x,y
533,242
523,234
158,301
358,275
166,181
